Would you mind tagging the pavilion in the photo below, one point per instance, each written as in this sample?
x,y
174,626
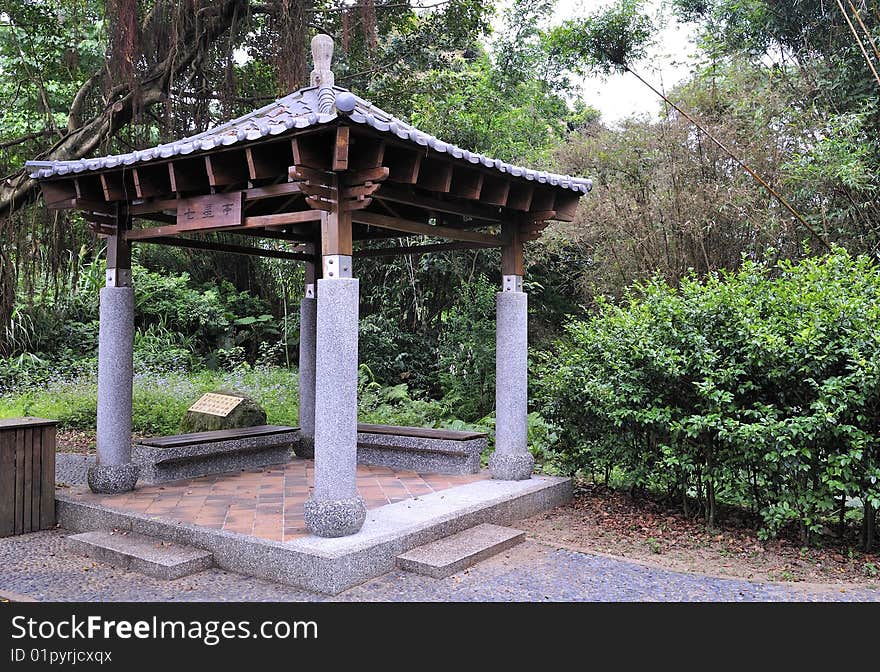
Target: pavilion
x,y
329,171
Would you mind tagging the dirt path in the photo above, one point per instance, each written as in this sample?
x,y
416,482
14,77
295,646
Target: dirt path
x,y
612,524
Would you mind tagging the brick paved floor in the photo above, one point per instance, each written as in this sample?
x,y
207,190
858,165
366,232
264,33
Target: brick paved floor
x,y
265,502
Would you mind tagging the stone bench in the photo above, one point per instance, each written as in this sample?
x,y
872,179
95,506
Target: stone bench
x,y
420,449
173,458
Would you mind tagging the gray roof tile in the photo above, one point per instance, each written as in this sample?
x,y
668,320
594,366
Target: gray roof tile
x,y
299,110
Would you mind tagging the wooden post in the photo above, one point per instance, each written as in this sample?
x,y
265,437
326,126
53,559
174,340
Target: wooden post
x,y
119,251
511,257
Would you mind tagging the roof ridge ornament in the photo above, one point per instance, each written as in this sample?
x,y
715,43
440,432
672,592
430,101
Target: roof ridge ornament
x,y
322,76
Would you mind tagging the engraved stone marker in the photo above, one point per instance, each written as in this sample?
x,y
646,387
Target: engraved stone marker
x,y
216,404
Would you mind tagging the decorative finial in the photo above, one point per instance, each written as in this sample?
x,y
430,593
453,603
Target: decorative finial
x,y
322,55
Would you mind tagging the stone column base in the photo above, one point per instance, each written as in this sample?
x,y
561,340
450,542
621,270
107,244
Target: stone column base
x,y
112,479
305,447
335,517
511,467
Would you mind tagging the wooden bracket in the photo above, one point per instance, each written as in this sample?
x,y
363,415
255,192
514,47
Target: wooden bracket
x,y
322,188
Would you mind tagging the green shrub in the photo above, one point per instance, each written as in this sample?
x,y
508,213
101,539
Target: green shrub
x,y
466,352
759,387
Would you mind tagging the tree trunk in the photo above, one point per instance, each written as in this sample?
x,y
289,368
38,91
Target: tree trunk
x,y
710,501
19,190
685,507
868,523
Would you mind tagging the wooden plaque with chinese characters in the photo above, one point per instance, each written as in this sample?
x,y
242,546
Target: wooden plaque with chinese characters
x,y
216,404
209,212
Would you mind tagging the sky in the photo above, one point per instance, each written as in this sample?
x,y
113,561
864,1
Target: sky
x,y
619,96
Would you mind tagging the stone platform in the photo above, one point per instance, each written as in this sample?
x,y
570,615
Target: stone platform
x,y
252,521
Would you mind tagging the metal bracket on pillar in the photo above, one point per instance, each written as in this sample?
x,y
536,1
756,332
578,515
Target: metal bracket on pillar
x,y
336,266
511,283
310,290
118,277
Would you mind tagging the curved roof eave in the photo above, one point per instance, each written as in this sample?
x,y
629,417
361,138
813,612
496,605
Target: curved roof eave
x,y
299,110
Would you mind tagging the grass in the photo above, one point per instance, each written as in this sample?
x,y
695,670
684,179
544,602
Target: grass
x,y
159,399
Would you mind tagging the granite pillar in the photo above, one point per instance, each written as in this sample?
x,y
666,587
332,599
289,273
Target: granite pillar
x,y
511,460
114,471
336,509
308,313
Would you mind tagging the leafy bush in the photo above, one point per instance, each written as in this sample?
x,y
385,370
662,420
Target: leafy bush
x,y
393,405
759,387
466,352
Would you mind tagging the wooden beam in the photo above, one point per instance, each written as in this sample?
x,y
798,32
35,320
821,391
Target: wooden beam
x,y
566,205
282,218
313,150
361,190
188,175
88,188
155,206
377,174
112,186
435,175
395,224
150,181
259,222
304,173
466,183
301,254
367,151
520,196
268,161
318,191
59,191
272,191
418,249
340,148
404,164
543,200
539,216
495,191
84,205
226,168
473,210
288,233
252,194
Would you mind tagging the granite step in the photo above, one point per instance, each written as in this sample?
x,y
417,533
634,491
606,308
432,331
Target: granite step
x,y
454,553
140,553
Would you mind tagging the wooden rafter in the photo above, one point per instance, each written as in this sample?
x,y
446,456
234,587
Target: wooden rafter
x,y
409,226
474,211
429,248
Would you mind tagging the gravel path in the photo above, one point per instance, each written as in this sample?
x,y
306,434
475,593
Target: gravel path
x,y
38,566
71,468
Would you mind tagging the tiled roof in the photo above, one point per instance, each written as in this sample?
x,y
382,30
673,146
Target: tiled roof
x,y
297,110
